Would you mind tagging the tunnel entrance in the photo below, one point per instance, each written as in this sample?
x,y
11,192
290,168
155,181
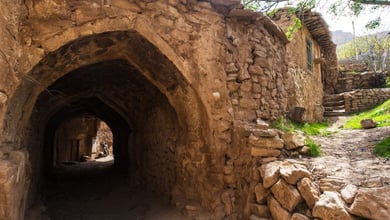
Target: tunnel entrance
x,y
144,128
80,139
154,115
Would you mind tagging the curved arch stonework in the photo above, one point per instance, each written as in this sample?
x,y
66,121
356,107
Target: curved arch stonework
x,y
210,69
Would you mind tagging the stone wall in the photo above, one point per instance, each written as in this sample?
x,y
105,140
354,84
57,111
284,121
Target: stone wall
x,y
256,70
363,99
282,187
348,81
305,89
74,139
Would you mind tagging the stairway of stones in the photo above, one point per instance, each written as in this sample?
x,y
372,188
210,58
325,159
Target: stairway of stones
x,y
334,105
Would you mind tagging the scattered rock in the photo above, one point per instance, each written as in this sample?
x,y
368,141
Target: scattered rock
x,y
277,211
309,191
265,142
372,203
368,123
269,133
348,193
305,150
298,216
270,173
261,193
292,173
286,194
330,207
293,140
260,210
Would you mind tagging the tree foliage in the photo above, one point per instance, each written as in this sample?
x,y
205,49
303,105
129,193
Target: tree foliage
x,y
339,7
373,50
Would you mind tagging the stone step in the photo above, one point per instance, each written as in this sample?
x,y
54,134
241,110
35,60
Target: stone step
x,y
334,103
334,113
331,98
331,108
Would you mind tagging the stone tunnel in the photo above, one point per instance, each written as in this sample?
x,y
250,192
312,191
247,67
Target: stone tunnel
x,y
178,82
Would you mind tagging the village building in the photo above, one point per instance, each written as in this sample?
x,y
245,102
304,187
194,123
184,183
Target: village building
x,y
312,62
188,89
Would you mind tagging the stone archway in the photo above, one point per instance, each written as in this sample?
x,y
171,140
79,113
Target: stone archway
x,y
138,83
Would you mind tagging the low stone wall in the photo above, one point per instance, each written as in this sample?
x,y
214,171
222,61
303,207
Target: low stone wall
x,y
364,99
283,188
348,81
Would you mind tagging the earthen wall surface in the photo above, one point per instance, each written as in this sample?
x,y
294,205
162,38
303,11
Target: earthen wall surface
x,y
363,99
348,81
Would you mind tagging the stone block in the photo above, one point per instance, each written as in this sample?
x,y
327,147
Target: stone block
x,y
261,193
264,152
277,211
292,173
348,193
309,191
330,206
293,140
270,173
261,142
372,203
261,211
298,216
286,194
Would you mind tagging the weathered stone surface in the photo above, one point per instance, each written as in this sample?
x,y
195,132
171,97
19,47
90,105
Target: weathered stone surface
x,y
261,142
305,150
277,211
270,173
260,210
292,172
264,152
368,123
286,194
261,193
254,217
298,216
372,203
332,183
348,193
265,133
330,207
309,191
293,140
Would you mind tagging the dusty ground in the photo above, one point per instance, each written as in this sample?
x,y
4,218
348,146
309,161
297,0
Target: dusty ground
x,y
92,190
347,155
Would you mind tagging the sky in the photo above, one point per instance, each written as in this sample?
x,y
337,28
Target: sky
x,y
344,23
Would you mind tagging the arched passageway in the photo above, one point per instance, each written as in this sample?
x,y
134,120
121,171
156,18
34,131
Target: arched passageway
x,y
154,114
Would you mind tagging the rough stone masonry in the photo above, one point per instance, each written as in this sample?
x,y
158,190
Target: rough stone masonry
x,y
185,85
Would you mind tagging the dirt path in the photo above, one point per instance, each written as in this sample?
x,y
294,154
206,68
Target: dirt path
x,y
91,191
347,155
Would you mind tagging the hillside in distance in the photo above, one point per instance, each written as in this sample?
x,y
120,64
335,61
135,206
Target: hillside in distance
x,y
340,37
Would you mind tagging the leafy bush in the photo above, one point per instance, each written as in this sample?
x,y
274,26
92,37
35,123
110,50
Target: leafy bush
x,y
315,150
318,128
383,148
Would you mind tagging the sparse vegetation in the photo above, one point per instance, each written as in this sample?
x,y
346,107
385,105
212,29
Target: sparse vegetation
x,y
315,150
380,114
318,128
383,148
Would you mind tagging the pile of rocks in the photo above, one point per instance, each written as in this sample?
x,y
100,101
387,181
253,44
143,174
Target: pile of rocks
x,y
286,190
274,143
